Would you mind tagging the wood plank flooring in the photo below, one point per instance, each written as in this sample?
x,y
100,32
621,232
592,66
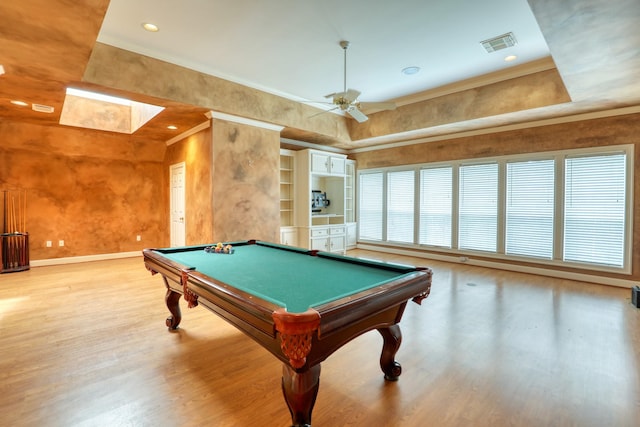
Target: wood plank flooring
x,y
86,345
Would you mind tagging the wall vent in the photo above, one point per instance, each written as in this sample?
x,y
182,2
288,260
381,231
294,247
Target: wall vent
x,y
42,108
501,42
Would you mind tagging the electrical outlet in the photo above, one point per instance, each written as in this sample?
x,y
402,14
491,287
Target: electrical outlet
x,y
138,238
60,242
48,243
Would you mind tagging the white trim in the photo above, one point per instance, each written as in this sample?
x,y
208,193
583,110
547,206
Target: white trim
x,y
580,277
404,138
245,121
186,134
84,258
313,146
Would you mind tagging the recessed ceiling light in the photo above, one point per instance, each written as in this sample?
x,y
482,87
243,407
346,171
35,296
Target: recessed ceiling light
x,y
150,27
410,70
20,103
510,58
172,127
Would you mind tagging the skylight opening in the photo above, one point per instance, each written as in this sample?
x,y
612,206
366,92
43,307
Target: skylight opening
x,y
98,96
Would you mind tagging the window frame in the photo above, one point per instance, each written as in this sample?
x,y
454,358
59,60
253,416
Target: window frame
x,y
559,157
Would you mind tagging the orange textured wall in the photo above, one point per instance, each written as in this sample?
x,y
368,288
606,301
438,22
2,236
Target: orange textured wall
x,y
195,152
95,190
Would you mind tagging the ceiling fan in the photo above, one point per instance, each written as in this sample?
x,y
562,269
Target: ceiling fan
x,y
347,100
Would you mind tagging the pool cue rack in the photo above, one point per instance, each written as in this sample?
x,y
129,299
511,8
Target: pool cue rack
x,y
14,239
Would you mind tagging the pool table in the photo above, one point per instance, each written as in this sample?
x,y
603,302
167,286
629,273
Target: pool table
x,y
301,305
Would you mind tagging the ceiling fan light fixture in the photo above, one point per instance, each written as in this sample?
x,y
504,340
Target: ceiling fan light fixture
x,y
408,71
152,28
40,108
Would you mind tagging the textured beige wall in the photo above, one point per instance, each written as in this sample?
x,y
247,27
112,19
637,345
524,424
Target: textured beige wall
x,y
592,133
518,94
246,187
95,190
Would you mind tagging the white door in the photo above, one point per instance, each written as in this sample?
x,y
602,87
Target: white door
x,y
176,178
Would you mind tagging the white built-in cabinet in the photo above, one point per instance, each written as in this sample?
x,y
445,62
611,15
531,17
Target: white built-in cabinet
x,y
330,227
288,232
349,204
321,227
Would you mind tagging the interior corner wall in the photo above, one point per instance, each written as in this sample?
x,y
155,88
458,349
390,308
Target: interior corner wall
x,y
195,152
96,191
245,176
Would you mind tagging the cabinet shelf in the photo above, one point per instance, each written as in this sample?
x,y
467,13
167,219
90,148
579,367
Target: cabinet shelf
x,y
287,165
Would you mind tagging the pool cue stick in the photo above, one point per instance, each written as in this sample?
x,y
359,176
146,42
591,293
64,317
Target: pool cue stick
x,y
5,237
3,249
25,237
23,247
8,262
12,230
16,247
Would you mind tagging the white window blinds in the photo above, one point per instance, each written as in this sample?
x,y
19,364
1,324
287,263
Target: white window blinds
x,y
400,206
478,207
594,209
370,206
436,189
529,208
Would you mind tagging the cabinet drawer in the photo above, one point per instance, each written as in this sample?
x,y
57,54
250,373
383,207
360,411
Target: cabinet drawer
x,y
319,232
337,230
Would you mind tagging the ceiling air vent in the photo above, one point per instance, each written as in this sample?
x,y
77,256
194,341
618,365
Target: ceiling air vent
x,y
501,42
42,108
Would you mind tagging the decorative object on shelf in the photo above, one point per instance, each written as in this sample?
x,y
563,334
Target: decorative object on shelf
x,y
319,200
220,248
14,240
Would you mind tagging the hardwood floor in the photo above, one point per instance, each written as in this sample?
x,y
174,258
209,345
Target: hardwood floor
x,y
86,345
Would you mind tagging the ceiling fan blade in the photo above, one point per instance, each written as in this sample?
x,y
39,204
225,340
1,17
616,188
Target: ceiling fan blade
x,y
377,106
358,115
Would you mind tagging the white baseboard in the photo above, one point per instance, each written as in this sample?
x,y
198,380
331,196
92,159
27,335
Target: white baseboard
x,y
84,258
580,277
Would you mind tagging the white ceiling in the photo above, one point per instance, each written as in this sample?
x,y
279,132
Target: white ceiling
x,y
291,47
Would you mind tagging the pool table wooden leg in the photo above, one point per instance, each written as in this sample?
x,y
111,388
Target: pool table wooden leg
x,y
300,390
172,299
392,338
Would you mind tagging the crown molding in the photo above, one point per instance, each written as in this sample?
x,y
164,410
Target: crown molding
x,y
186,134
244,121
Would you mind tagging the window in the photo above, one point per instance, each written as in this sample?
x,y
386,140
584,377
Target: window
x,y
569,208
529,208
478,212
400,206
594,209
436,189
370,208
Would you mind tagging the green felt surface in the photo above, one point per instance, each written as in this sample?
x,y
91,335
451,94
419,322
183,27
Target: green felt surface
x,y
293,280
